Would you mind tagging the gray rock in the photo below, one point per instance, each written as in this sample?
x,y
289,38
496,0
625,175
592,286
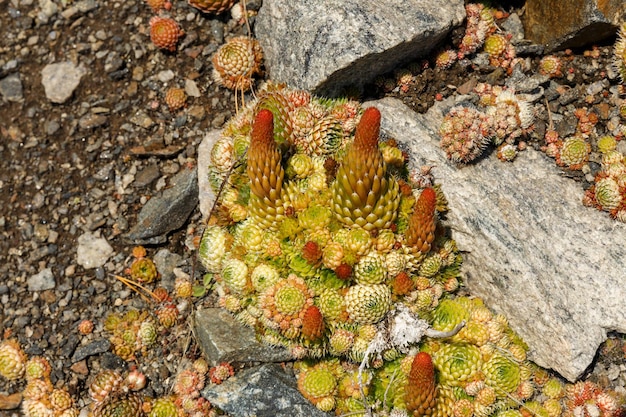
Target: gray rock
x,y
168,211
94,348
322,45
60,80
224,339
11,88
91,121
553,24
44,280
165,262
263,391
532,251
93,251
206,194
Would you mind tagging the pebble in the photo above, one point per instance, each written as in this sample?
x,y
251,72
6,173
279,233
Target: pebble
x,y
91,121
197,112
191,88
92,251
60,80
44,280
11,88
94,348
141,119
166,75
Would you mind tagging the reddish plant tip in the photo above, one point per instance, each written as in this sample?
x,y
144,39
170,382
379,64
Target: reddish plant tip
x,y
368,129
313,324
263,127
344,271
428,198
422,368
311,252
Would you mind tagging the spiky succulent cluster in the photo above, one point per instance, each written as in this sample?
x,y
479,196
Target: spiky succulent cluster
x,y
40,396
619,53
333,234
131,332
480,24
236,63
503,117
165,33
175,98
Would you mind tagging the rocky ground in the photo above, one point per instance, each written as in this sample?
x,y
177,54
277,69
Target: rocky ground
x,y
86,167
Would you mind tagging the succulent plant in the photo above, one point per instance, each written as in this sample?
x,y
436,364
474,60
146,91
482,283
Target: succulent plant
x,y
236,63
12,359
465,132
175,98
574,152
421,389
165,33
127,405
212,6
619,53
551,65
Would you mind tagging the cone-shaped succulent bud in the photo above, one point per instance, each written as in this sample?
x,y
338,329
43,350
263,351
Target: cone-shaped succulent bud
x,y
421,390
212,6
312,324
12,360
265,172
364,194
422,223
367,304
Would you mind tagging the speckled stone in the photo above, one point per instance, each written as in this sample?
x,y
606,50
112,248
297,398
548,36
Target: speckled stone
x,y
531,250
261,391
322,45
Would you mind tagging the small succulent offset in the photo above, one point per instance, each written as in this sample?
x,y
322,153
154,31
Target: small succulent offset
x,y
165,33
212,6
501,118
237,62
619,53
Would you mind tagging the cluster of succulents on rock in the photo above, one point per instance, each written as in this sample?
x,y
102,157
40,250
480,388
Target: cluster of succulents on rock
x,y
326,243
500,117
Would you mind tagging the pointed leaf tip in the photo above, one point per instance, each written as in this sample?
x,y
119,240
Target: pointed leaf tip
x,y
368,129
263,127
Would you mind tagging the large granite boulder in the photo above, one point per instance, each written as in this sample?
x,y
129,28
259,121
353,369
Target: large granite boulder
x,y
571,24
323,45
532,251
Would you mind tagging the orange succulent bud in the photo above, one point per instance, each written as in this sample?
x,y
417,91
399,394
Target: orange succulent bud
x,y
165,33
421,390
312,324
421,231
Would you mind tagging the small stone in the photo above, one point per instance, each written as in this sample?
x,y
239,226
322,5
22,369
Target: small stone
x,y
197,112
165,76
93,251
141,119
44,280
11,88
51,127
91,121
138,73
191,88
80,368
94,348
60,80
